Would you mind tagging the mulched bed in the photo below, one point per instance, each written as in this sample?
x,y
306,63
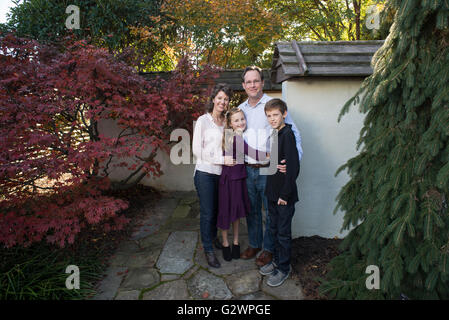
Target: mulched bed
x,y
310,258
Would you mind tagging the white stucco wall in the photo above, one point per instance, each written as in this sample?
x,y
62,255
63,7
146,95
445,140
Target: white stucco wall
x,y
275,94
315,105
175,177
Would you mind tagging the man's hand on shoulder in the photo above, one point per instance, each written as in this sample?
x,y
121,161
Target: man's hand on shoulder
x,y
282,202
282,167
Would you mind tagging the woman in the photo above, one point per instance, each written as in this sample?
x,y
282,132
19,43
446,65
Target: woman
x,y
207,140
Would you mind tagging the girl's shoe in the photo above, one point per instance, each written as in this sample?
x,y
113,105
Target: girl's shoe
x,y
227,253
235,251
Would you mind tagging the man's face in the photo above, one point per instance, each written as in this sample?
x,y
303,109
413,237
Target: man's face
x,y
276,118
253,85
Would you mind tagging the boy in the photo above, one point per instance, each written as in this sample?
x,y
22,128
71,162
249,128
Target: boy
x,y
282,193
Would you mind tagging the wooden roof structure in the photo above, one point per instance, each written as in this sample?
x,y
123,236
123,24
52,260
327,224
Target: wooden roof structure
x,y
323,58
232,77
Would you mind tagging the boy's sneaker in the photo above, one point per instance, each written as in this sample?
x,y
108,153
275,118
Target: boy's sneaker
x,y
277,278
268,269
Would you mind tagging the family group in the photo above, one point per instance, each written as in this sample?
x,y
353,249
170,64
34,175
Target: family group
x,y
230,181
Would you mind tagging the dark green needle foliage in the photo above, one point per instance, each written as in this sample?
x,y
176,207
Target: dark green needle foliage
x,y
397,195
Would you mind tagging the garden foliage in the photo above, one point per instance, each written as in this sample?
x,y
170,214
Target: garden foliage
x,y
113,24
397,195
55,161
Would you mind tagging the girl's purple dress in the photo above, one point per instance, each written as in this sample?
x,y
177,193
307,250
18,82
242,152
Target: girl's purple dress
x,y
233,199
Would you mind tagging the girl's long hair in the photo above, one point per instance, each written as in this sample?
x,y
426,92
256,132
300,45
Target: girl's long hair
x,y
228,140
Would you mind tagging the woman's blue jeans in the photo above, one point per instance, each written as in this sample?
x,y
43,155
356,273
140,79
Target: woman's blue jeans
x,y
206,185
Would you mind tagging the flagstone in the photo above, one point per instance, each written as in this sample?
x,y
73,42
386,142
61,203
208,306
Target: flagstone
x,y
128,295
181,224
127,247
173,290
164,260
108,287
181,211
204,285
189,273
169,277
189,200
259,295
119,260
141,278
143,259
160,213
154,241
177,254
289,290
244,282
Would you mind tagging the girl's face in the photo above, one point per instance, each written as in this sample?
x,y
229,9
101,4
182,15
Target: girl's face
x,y
221,101
238,121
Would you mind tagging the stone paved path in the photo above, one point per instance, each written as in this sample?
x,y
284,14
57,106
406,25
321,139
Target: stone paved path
x,y
164,260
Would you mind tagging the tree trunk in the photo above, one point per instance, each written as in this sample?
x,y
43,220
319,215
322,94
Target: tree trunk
x,y
357,5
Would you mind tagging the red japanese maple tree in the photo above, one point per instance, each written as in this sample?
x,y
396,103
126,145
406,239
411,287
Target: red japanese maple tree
x,y
54,161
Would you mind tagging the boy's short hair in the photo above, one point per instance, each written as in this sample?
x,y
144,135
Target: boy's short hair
x,y
276,104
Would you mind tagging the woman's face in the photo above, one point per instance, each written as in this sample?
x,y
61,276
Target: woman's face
x,y
221,102
238,121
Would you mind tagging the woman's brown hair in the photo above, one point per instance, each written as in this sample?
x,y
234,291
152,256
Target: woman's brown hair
x,y
218,87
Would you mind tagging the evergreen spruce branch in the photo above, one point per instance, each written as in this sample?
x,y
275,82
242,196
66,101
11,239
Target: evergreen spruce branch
x,y
403,226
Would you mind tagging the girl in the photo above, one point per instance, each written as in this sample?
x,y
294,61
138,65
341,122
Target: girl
x,y
233,200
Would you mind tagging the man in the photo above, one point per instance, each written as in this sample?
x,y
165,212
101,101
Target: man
x,y
253,82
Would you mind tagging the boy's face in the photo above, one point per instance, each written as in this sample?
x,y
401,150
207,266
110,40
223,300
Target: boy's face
x,y
276,118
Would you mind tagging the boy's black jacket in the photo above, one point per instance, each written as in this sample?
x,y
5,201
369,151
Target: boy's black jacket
x,y
283,185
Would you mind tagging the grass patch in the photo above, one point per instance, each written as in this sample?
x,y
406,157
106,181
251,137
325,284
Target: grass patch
x,y
38,272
